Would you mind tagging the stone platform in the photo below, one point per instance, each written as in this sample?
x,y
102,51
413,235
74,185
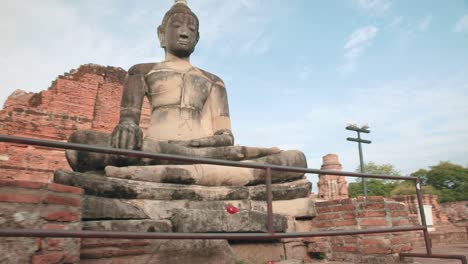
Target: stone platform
x,y
118,204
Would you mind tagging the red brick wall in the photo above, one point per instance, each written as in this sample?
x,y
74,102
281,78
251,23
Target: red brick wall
x,y
355,214
457,212
38,205
87,98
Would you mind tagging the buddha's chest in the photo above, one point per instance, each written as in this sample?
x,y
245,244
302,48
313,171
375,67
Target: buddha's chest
x,y
184,90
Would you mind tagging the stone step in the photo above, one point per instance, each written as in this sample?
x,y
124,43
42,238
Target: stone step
x,y
217,221
107,208
161,251
95,208
99,185
147,225
99,250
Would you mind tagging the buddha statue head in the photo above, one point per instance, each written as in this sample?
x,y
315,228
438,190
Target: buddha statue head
x,y
178,33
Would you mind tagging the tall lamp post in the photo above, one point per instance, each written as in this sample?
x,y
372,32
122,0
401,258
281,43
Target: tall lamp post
x,y
359,130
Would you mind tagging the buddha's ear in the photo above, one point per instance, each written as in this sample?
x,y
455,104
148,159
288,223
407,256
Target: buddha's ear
x,y
198,37
162,37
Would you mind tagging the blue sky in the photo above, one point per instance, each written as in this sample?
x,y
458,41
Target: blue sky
x,y
296,71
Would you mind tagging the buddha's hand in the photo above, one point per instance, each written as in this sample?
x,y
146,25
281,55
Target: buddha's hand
x,y
127,135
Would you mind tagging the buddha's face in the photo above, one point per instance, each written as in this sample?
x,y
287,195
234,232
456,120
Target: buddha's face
x,y
180,35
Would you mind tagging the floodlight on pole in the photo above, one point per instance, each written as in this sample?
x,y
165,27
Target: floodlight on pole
x,y
359,140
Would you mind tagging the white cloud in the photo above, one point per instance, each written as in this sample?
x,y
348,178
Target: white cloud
x,y
303,68
234,19
414,124
396,22
357,43
361,36
305,72
43,40
462,24
374,7
425,22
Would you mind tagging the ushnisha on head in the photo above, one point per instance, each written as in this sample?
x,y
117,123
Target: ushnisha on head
x,y
178,33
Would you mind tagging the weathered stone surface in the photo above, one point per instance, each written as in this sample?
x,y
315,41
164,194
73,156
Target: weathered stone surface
x,y
17,249
219,205
85,98
35,205
283,191
291,261
159,209
303,225
205,221
157,252
150,251
212,175
147,225
128,189
98,185
296,251
300,208
259,252
106,208
192,251
165,209
199,174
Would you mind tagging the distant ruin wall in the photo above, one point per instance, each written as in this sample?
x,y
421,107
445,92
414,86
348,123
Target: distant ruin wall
x,y
438,216
86,98
457,212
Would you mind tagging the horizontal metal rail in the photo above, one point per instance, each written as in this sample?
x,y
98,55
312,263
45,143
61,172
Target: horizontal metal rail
x,y
162,156
271,235
230,236
462,258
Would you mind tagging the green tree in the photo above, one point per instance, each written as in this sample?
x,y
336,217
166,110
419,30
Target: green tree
x,y
408,188
380,169
375,187
450,179
422,174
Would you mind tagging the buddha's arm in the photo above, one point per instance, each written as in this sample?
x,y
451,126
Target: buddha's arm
x,y
127,134
221,138
216,113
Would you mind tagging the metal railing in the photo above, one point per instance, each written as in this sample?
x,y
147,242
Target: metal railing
x,y
232,236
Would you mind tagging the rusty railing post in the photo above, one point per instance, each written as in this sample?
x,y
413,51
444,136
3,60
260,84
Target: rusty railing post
x,y
269,196
427,239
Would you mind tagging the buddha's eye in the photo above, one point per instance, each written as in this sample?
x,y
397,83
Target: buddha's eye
x,y
192,28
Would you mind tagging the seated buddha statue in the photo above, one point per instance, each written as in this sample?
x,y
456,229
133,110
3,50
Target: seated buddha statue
x,y
189,116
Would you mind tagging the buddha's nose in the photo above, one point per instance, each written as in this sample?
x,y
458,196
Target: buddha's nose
x,y
183,33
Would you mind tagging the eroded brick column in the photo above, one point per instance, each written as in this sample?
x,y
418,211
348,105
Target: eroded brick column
x,y
332,187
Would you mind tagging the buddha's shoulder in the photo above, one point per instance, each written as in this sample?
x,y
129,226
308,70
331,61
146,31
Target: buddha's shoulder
x,y
212,77
142,68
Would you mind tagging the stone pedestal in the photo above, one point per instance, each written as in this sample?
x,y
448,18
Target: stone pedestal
x,y
144,206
